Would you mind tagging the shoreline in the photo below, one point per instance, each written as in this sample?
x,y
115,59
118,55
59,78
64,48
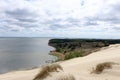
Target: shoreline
x,y
78,67
59,57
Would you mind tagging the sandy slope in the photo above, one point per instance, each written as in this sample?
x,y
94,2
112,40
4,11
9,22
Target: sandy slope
x,y
79,67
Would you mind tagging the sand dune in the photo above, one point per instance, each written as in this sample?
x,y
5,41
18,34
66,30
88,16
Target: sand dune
x,y
79,67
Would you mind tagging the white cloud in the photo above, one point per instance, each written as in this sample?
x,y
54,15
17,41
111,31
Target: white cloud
x,y
60,18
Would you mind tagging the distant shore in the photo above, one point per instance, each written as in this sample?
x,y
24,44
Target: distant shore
x,y
72,48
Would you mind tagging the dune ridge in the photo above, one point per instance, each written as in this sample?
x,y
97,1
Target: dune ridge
x,y
80,68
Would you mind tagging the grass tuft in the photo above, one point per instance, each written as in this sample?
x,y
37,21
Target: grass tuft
x,y
55,67
102,66
45,71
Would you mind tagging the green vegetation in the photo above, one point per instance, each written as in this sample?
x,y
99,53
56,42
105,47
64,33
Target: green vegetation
x,y
58,49
71,48
106,41
73,55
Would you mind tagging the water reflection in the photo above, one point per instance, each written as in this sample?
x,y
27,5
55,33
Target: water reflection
x,y
18,53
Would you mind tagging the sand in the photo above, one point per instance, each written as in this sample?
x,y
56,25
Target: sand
x,y
79,67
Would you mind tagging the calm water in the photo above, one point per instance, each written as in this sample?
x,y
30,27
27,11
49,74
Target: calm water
x,y
22,53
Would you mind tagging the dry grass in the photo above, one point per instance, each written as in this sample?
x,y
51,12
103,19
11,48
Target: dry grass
x,y
54,68
66,77
102,66
45,71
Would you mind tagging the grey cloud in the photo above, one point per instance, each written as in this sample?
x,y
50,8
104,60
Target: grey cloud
x,y
55,26
6,27
49,13
27,20
116,7
74,21
23,15
26,25
19,17
108,18
62,23
90,23
6,23
116,28
15,30
82,3
50,21
19,13
112,16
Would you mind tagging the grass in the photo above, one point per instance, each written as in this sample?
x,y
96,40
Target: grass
x,y
66,77
45,71
102,66
54,68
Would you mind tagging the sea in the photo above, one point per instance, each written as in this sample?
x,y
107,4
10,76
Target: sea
x,y
24,53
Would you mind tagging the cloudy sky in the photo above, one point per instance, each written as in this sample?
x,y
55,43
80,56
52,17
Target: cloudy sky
x,y
60,18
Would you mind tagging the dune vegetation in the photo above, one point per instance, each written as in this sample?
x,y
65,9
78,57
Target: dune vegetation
x,y
71,48
46,70
102,66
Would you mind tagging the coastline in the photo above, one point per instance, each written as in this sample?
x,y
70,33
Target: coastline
x,y
71,48
59,57
79,67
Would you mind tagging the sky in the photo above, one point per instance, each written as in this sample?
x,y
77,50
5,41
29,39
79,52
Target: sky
x,y
60,18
